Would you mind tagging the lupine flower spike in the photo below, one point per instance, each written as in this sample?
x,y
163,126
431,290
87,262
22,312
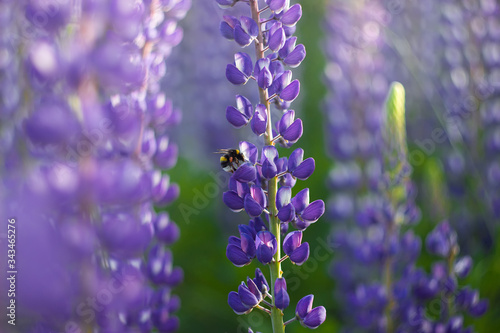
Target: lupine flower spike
x,y
262,185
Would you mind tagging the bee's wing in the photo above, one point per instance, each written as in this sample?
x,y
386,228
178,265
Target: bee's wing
x,y
221,151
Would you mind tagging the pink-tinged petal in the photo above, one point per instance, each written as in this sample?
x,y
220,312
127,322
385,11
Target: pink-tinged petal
x,y
243,62
288,47
277,40
296,157
301,200
294,131
250,151
235,117
245,173
259,120
226,30
292,241
291,91
301,254
314,211
304,306
265,78
292,15
283,196
235,303
235,76
286,213
252,207
233,201
244,106
316,317
241,37
305,169
295,58
250,26
237,256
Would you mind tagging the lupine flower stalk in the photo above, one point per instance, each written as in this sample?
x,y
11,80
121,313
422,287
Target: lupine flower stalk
x,y
264,186
84,168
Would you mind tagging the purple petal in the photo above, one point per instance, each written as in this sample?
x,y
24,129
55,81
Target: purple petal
x,y
277,40
234,75
244,106
294,131
266,246
237,256
291,91
288,47
235,117
243,62
301,200
305,169
296,157
249,150
260,281
226,30
265,78
282,164
292,241
276,5
252,286
233,240
300,255
283,196
269,169
463,267
233,201
282,300
315,318
265,254
259,120
248,230
269,153
478,309
314,211
245,173
286,213
166,154
166,230
252,207
240,188
295,58
224,4
288,180
285,121
304,306
261,64
292,15
235,303
248,245
259,195
250,26
246,296
241,37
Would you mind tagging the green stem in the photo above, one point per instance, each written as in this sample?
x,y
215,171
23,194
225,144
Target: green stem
x,y
274,223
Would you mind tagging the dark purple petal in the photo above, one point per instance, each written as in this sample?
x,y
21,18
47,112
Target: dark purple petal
x,y
259,195
292,15
226,30
292,241
291,91
296,157
265,78
314,211
241,37
237,256
252,207
259,120
248,245
246,296
277,40
233,240
301,200
234,75
235,303
301,254
304,306
305,169
247,229
249,150
245,173
233,201
283,196
254,289
316,317
286,120
288,47
269,169
478,309
257,224
266,246
235,117
295,58
260,281
286,213
294,131
281,300
282,165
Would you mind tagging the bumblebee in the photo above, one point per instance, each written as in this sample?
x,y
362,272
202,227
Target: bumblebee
x,y
231,159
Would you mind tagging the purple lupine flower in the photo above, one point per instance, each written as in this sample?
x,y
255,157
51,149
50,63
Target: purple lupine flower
x,y
309,317
95,129
253,186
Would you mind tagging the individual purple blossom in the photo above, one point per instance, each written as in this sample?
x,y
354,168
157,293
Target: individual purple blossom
x,y
307,315
295,249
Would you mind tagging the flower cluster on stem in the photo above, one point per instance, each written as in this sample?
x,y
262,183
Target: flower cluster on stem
x,y
262,185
